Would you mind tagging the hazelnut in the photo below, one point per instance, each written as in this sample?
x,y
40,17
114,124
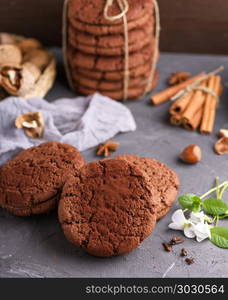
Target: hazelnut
x,y
191,154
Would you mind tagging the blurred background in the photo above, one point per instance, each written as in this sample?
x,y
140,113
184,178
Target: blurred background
x,y
192,26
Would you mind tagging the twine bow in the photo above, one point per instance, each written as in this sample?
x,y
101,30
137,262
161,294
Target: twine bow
x,y
124,7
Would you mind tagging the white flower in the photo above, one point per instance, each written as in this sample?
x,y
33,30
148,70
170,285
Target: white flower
x,y
202,231
179,222
194,227
198,217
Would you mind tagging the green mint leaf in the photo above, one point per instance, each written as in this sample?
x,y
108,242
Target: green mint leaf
x,y
215,207
219,236
191,202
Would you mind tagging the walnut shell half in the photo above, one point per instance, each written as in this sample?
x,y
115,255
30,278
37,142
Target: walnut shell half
x,y
19,81
221,146
10,55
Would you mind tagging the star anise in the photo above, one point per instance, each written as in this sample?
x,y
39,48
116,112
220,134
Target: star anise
x,y
107,148
178,77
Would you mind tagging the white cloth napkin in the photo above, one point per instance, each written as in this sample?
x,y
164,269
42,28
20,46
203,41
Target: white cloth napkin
x,y
83,122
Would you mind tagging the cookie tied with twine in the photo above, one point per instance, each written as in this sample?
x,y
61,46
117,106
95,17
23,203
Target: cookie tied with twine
x,y
124,7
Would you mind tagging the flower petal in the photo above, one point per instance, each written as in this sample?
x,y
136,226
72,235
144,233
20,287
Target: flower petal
x,y
199,239
178,217
202,231
189,232
197,217
176,226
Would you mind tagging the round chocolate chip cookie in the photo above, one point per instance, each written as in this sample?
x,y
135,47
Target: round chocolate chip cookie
x,y
31,182
107,208
162,179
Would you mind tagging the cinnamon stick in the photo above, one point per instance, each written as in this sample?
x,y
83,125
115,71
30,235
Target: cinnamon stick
x,y
180,105
209,112
168,93
176,119
194,123
197,101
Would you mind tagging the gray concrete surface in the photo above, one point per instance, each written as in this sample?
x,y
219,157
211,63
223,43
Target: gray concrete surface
x,y
36,247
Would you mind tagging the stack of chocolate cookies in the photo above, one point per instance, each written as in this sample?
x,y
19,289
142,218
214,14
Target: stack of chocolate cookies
x,y
106,207
96,52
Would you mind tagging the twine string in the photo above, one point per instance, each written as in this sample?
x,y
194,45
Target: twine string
x,y
64,45
196,86
156,51
124,7
206,90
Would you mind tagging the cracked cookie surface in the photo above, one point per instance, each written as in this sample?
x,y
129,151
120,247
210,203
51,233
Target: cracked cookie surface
x,y
109,29
31,182
92,12
111,41
162,178
107,208
114,75
79,59
103,85
111,45
133,92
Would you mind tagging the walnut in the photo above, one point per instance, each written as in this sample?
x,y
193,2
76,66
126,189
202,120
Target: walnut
x,y
32,123
221,146
27,45
6,39
178,77
19,80
107,148
39,57
10,55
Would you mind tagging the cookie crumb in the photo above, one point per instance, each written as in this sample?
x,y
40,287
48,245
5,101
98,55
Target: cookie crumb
x,y
190,261
167,247
183,252
176,240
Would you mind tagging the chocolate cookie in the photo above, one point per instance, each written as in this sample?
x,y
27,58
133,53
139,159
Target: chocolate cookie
x,y
111,41
104,85
88,12
162,178
31,182
110,51
115,75
106,209
101,63
108,29
111,44
133,93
